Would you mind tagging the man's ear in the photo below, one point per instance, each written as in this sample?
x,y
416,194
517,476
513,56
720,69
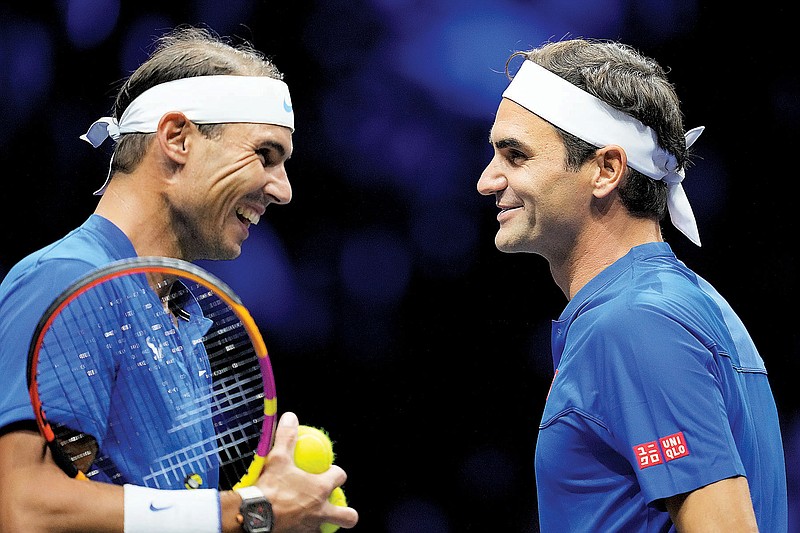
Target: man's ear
x,y
612,163
173,128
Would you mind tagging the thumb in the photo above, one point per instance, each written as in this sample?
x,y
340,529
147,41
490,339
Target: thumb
x,y
286,433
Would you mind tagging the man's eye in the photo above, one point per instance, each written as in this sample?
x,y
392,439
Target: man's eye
x,y
516,157
264,155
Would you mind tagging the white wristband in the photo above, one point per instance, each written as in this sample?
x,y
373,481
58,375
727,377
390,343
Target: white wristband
x,y
171,511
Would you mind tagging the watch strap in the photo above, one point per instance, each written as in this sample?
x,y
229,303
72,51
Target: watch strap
x,y
249,493
255,513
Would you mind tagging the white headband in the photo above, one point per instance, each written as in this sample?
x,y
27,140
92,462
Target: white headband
x,y
204,100
587,117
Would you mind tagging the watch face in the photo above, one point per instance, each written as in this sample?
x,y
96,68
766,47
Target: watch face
x,y
257,516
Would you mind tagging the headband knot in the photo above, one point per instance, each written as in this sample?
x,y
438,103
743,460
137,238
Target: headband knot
x,y
587,117
100,130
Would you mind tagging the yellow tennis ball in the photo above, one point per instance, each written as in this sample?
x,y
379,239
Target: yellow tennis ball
x,y
336,498
314,450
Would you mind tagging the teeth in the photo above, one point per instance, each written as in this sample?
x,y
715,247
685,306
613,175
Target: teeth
x,y
248,214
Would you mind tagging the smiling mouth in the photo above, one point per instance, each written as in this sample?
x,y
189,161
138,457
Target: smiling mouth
x,y
247,216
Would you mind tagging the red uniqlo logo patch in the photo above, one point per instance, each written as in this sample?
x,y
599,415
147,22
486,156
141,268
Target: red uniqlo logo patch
x,y
674,446
648,454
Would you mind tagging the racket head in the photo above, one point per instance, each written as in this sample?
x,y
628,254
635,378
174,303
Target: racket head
x,y
151,371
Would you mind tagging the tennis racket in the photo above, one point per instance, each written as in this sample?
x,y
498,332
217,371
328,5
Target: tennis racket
x,y
151,371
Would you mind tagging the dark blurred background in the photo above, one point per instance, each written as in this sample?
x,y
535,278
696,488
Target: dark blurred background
x,y
392,320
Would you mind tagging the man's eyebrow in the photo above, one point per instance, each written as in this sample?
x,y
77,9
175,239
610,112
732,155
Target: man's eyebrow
x,y
509,142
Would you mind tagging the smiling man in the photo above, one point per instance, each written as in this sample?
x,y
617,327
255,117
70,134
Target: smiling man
x,y
203,132
660,416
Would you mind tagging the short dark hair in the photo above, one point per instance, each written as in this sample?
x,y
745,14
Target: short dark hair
x,y
632,83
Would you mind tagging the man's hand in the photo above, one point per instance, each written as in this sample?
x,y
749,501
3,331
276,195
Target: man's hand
x,y
300,499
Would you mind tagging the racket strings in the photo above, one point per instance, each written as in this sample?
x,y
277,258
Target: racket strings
x,y
73,355
238,387
203,421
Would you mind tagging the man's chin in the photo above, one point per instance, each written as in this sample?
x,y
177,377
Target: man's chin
x,y
511,246
505,245
224,254
231,254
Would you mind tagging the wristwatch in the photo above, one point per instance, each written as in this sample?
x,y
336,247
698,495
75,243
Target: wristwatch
x,y
255,513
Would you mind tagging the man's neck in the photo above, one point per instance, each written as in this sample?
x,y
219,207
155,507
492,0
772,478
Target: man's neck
x,y
138,210
599,248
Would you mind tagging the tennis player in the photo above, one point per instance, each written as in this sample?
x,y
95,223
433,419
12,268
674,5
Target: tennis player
x,y
203,129
660,416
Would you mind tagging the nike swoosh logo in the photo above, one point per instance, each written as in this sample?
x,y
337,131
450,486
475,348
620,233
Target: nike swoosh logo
x,y
287,107
155,508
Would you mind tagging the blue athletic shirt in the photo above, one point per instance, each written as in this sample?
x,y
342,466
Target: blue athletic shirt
x,y
658,391
183,381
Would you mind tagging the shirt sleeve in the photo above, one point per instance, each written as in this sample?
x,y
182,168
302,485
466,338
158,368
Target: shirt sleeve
x,y
23,299
666,409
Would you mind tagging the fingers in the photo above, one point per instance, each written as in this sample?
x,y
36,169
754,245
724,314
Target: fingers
x,y
335,475
285,440
346,517
300,499
286,433
343,516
